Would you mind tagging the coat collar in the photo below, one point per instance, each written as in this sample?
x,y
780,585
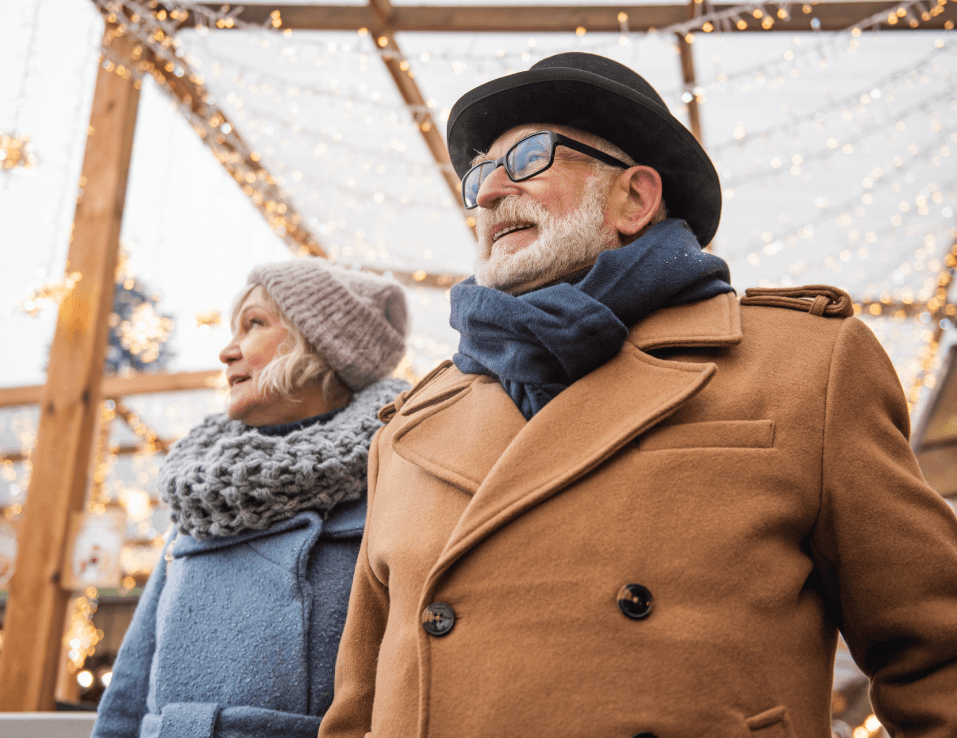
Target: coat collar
x,y
480,421
710,323
465,430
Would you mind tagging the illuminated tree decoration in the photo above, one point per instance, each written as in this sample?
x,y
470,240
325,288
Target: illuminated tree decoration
x,y
138,333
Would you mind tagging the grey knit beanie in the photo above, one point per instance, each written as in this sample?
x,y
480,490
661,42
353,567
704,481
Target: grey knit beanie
x,y
356,321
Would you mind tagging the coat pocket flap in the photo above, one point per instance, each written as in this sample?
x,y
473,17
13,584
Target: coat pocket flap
x,y
773,723
710,434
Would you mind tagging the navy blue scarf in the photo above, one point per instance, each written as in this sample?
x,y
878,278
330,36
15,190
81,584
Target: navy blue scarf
x,y
539,343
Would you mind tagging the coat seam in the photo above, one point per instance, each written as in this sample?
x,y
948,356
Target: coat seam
x,y
373,455
824,424
843,623
305,610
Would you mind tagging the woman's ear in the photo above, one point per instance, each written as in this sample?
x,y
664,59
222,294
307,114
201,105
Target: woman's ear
x,y
636,196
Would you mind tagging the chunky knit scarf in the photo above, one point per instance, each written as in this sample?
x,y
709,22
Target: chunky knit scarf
x,y
539,343
225,477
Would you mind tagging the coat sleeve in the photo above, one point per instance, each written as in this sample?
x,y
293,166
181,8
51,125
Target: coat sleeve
x,y
351,710
885,545
123,705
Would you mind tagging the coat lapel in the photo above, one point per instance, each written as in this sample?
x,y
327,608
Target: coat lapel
x,y
573,434
468,432
460,431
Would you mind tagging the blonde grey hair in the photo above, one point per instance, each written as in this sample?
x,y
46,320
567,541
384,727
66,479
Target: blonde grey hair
x,y
296,363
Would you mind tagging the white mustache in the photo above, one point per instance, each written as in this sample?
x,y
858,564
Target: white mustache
x,y
510,209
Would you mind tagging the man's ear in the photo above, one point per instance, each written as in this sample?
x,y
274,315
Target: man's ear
x,y
635,197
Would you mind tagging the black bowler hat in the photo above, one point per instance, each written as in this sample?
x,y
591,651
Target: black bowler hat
x,y
605,98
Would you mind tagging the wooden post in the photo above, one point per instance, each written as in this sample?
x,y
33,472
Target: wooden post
x,y
688,77
402,76
70,406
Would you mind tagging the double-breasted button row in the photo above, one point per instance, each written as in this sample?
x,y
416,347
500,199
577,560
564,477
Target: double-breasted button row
x,y
438,619
635,601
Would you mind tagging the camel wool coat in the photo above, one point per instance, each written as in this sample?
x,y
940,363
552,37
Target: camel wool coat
x,y
745,468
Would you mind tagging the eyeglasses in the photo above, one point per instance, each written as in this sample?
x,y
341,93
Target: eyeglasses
x,y
529,157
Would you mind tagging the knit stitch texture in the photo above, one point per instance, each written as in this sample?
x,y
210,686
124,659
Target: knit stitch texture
x,y
225,477
357,321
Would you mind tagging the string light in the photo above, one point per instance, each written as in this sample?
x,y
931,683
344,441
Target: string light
x,y
208,319
13,148
103,462
15,154
82,636
831,151
875,90
870,727
829,212
49,294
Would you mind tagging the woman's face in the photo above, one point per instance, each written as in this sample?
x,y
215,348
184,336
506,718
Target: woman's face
x,y
259,333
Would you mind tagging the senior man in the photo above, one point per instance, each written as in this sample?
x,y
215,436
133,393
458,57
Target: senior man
x,y
633,505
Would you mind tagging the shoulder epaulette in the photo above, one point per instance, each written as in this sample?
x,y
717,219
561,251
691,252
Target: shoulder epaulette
x,y
388,412
816,299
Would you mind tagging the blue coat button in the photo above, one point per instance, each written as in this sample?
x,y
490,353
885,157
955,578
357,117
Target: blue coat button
x,y
635,601
438,619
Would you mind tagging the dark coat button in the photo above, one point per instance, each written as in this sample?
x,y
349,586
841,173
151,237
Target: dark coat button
x,y
438,619
635,601
644,734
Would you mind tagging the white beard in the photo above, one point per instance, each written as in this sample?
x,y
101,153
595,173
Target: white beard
x,y
564,241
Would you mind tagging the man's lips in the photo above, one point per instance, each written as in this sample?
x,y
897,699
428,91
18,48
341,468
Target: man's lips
x,y
503,229
236,379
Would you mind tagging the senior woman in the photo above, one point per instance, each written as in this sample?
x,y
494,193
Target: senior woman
x,y
236,631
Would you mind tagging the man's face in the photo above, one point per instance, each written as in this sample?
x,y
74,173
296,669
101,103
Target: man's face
x,y
534,231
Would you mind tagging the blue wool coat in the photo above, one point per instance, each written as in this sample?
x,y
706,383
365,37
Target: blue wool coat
x,y
237,636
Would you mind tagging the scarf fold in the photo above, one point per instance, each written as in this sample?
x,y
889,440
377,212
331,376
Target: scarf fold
x,y
539,343
225,477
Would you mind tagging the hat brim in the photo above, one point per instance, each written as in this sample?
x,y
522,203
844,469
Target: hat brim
x,y
638,125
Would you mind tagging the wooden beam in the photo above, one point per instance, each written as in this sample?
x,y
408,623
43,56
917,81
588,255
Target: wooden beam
x,y
829,16
33,628
403,76
124,386
26,395
140,428
125,450
143,50
688,76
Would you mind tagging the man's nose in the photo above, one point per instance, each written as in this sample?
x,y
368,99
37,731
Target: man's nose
x,y
496,186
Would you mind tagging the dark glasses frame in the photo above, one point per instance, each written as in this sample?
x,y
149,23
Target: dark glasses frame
x,y
554,140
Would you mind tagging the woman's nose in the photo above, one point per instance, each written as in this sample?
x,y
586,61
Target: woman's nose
x,y
496,186
230,354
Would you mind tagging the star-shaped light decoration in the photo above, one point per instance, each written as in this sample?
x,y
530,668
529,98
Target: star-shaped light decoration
x,y
14,153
